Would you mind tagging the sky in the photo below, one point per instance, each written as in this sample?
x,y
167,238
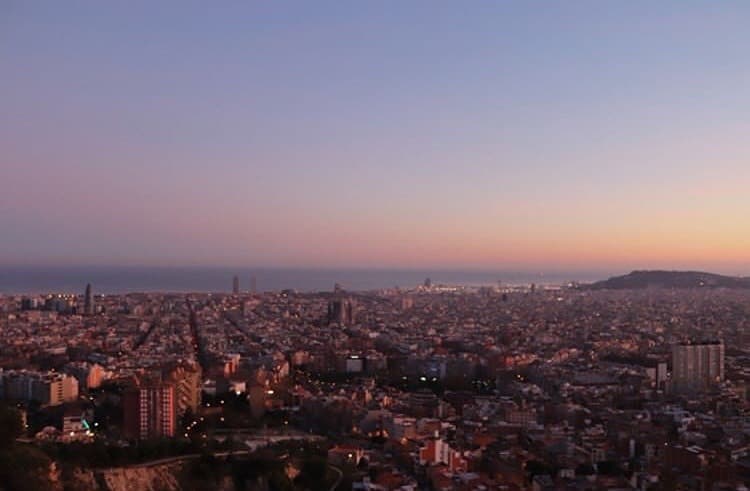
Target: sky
x,y
376,134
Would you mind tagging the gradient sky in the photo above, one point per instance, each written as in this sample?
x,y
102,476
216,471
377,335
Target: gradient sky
x,y
541,135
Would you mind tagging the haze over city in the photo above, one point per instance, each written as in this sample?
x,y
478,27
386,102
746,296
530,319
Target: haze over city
x,y
531,136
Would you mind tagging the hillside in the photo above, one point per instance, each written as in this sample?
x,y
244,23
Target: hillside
x,y
669,279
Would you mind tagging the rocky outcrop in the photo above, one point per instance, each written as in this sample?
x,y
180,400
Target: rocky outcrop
x,y
157,478
153,478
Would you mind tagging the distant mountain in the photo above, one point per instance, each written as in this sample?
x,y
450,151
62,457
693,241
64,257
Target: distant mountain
x,y
669,279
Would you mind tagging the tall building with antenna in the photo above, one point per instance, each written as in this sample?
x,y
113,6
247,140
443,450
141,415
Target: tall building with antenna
x,y
236,285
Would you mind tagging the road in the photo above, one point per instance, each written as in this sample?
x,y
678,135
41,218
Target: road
x,y
340,478
264,441
252,444
181,458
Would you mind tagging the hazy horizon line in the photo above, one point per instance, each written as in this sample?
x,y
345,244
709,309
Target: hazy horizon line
x,y
380,268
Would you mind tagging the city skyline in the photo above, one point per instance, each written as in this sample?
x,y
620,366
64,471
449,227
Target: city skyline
x,y
526,136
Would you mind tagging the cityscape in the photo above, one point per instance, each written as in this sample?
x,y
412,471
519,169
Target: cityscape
x,y
423,245
576,386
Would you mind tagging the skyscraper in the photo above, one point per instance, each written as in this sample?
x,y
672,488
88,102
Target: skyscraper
x,y
236,285
88,301
697,367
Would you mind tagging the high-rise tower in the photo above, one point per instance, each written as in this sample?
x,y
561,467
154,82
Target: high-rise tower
x,y
236,285
697,367
149,410
88,301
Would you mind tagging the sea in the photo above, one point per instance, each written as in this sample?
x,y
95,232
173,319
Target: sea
x,y
115,280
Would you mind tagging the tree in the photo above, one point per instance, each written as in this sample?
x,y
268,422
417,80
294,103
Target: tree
x,y
313,473
23,467
11,426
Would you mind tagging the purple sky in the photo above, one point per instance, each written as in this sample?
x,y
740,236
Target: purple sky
x,y
376,134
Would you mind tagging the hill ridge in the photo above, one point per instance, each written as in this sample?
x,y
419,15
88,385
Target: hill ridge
x,y
660,278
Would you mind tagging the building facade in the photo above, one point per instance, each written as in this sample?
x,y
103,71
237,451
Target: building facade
x,y
149,411
697,367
